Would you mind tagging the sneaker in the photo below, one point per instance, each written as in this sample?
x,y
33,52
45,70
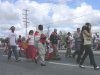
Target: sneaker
x,y
96,68
81,66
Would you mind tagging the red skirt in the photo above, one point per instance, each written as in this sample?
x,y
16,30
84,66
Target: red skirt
x,y
31,52
51,52
50,56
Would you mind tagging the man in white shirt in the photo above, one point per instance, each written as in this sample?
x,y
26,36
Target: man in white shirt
x,y
12,44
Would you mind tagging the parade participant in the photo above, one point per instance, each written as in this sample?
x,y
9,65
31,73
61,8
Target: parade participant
x,y
19,42
60,40
54,42
31,51
81,45
77,42
12,44
97,41
87,35
49,53
6,44
95,36
40,40
69,44
24,45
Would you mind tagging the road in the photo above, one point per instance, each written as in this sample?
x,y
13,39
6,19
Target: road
x,y
65,66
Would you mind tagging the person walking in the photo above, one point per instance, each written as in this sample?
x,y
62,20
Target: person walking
x,y
12,44
68,40
40,41
77,42
31,51
54,42
81,45
87,35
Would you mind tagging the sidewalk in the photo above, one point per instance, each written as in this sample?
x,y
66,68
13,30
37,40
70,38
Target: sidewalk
x,y
95,52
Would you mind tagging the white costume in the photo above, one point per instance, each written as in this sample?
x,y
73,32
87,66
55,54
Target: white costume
x,y
40,46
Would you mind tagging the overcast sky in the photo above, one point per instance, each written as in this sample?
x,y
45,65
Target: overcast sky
x,y
62,14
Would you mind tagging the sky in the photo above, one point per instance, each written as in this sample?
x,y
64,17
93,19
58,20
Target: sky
x,y
65,15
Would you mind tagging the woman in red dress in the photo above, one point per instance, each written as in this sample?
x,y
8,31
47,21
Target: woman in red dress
x,y
31,52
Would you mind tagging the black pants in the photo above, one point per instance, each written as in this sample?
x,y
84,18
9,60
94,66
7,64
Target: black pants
x,y
88,51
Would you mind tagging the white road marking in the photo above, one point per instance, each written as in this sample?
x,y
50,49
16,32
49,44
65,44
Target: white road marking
x,y
72,65
63,64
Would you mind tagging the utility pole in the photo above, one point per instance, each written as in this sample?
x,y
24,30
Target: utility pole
x,y
26,20
48,28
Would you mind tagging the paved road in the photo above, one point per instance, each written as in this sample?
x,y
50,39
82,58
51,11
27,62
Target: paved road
x,y
66,66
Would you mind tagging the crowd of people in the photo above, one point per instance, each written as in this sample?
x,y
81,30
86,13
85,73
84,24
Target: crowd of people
x,y
96,42
39,48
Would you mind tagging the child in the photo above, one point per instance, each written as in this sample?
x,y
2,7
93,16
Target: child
x,y
31,51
